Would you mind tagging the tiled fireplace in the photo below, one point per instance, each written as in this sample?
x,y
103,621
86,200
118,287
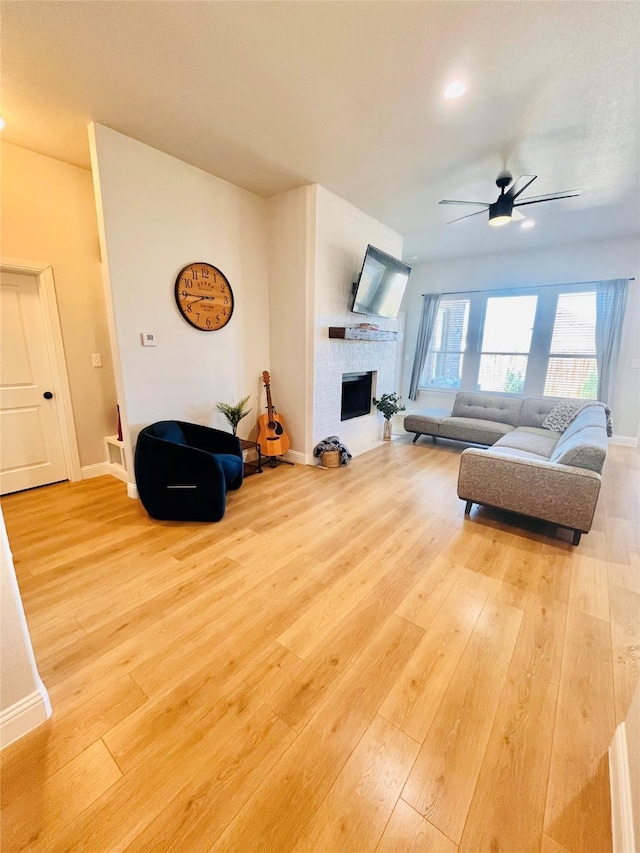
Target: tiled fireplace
x,y
342,235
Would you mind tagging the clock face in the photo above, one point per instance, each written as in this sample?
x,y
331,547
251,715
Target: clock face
x,y
204,297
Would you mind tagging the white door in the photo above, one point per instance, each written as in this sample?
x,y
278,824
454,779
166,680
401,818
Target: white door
x,y
31,448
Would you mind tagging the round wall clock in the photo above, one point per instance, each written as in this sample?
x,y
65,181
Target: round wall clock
x,y
204,297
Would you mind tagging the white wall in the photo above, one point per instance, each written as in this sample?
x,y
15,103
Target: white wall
x,y
157,214
606,259
24,702
341,236
49,216
291,229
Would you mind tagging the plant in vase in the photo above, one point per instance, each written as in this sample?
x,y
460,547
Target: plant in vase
x,y
389,405
234,412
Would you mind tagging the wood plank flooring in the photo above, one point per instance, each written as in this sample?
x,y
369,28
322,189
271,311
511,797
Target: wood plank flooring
x,y
343,663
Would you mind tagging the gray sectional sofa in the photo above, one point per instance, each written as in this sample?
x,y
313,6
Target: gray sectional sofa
x,y
527,469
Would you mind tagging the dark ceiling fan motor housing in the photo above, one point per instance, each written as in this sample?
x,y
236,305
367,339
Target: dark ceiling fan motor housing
x,y
503,207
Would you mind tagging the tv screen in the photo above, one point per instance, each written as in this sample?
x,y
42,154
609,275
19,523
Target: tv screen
x,y
380,287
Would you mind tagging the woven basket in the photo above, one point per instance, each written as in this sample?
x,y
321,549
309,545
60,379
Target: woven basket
x,y
330,458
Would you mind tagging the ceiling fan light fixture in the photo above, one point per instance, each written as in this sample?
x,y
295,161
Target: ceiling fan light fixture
x,y
500,212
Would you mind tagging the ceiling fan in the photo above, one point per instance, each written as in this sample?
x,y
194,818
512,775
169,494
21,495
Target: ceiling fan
x,y
503,210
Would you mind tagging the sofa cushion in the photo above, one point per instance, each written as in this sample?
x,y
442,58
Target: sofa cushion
x,y
590,417
541,445
587,448
488,407
534,410
515,453
473,429
546,433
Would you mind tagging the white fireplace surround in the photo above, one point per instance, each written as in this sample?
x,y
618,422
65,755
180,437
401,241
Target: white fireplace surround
x,y
342,235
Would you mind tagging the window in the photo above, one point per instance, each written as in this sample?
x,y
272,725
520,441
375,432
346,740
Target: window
x,y
444,362
572,370
506,340
534,341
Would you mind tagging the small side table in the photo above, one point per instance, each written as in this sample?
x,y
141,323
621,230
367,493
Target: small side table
x,y
252,467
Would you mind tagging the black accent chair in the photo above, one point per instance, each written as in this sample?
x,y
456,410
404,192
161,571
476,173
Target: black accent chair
x,y
183,471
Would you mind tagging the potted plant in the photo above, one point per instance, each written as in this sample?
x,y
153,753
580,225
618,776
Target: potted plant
x,y
234,412
389,405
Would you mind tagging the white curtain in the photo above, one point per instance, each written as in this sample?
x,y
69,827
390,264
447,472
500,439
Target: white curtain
x,y
611,298
430,305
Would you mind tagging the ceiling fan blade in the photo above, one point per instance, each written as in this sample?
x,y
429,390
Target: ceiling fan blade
x,y
551,196
451,201
451,221
540,199
513,193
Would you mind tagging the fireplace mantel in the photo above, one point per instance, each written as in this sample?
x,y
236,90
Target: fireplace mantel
x,y
355,333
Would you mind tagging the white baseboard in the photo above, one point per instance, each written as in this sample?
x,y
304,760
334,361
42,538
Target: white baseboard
x,y
292,456
132,491
97,470
100,469
624,440
24,716
621,799
117,471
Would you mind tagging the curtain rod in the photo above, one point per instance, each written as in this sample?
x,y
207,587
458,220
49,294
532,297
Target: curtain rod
x,y
523,287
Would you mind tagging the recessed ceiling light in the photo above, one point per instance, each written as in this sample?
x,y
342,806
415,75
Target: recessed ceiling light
x,y
455,89
528,223
413,257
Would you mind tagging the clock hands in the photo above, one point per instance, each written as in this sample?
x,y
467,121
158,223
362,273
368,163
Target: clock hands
x,y
200,298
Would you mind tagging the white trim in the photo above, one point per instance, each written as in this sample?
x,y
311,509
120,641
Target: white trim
x,y
97,470
621,799
310,249
132,491
23,716
127,446
119,473
294,456
55,351
624,440
102,469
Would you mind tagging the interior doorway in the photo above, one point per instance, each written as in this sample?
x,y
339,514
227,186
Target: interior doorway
x,y
38,443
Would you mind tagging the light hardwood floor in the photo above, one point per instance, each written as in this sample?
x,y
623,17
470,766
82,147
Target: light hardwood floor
x,y
343,663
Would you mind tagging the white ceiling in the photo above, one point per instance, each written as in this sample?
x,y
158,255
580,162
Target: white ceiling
x,y
273,95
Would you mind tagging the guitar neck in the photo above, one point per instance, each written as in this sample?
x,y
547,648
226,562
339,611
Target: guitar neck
x,y
270,409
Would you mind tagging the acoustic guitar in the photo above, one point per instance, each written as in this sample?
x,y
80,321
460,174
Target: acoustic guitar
x,y
272,438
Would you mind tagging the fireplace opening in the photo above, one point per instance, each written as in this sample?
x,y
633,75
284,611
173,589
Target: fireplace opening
x,y
356,395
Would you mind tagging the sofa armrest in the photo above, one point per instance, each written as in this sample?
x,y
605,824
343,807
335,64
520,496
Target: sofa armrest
x,y
561,494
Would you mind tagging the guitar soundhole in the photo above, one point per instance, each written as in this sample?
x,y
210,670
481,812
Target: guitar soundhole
x,y
276,426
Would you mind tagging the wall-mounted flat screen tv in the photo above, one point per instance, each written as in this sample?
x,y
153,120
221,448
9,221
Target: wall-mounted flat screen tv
x,y
380,287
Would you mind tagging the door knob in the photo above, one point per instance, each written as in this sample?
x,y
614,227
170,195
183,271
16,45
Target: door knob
x,y
47,395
